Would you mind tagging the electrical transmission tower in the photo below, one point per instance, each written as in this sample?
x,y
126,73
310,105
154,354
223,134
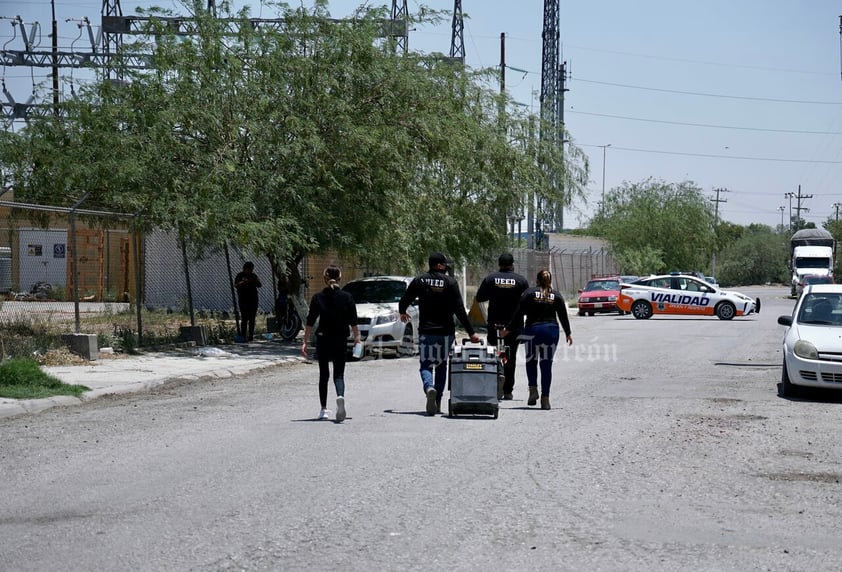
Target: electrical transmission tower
x,y
112,42
400,23
549,216
107,46
457,36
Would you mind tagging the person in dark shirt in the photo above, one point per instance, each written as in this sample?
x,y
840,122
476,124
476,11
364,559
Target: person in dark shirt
x,y
439,300
336,312
502,291
247,283
540,305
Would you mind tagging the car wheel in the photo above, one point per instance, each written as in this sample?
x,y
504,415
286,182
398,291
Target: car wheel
x,y
407,347
581,312
757,305
590,313
725,311
641,310
787,388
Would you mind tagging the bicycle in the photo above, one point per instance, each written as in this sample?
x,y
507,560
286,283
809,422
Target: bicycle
x,y
288,321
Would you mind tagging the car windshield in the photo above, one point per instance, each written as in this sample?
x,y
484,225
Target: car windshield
x,y
818,280
379,291
602,285
821,309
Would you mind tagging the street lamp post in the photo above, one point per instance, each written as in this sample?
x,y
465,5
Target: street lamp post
x,y
782,209
604,147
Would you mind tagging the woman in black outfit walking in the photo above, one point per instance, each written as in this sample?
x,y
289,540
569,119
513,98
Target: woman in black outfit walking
x,y
540,305
337,314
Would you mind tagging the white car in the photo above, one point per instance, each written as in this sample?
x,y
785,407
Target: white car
x,y
813,340
681,294
381,329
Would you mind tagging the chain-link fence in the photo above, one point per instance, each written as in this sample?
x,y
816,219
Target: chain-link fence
x,y
570,269
65,270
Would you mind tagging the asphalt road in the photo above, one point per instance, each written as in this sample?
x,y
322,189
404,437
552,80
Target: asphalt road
x,y
667,448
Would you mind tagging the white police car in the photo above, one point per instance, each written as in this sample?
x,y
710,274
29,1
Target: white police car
x,y
680,294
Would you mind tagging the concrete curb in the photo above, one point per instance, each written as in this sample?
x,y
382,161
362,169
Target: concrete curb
x,y
16,407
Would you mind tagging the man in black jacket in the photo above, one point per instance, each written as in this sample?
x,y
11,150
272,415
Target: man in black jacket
x,y
247,283
502,291
439,300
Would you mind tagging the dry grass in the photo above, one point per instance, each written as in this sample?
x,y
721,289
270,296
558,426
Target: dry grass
x,y
63,356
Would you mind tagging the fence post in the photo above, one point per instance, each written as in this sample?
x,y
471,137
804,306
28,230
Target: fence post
x,y
74,269
231,284
138,298
187,277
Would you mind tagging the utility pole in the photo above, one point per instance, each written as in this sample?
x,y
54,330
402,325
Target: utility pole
x,y
789,196
798,207
602,204
502,106
54,35
782,209
716,202
836,206
562,78
501,118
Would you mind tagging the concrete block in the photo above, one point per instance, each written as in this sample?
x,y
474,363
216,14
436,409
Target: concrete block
x,y
84,345
197,334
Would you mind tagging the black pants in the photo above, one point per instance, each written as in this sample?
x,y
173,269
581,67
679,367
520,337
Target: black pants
x,y
512,342
331,349
248,314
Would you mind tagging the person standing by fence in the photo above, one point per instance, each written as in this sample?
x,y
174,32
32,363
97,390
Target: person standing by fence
x,y
502,291
247,283
336,312
540,305
439,300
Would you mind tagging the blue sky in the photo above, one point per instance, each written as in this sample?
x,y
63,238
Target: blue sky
x,y
744,95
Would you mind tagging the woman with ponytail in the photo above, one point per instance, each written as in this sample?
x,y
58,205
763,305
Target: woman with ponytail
x,y
543,307
337,315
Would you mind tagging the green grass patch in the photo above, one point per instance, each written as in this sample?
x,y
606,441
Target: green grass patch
x,y
22,378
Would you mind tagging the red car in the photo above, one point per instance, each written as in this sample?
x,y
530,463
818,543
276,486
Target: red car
x,y
600,295
808,279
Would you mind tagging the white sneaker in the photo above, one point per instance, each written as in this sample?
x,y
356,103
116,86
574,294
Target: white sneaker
x,y
340,409
324,414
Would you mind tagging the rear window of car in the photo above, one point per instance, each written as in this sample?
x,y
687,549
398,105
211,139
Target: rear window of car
x,y
377,291
818,280
602,285
656,282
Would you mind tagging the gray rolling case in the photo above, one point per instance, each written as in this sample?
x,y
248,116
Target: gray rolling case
x,y
472,379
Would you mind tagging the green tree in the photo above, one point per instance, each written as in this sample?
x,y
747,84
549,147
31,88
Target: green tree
x,y
668,224
834,227
639,261
290,141
727,233
759,256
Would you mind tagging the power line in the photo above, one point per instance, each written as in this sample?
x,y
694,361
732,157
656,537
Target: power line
x,y
708,125
714,156
717,95
703,62
694,93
